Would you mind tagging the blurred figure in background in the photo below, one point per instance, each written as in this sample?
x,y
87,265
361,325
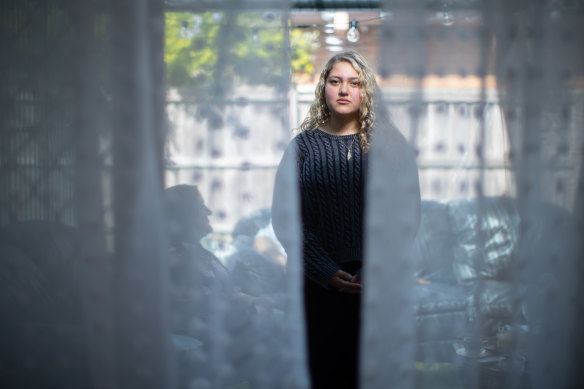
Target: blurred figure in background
x,y
257,264
206,302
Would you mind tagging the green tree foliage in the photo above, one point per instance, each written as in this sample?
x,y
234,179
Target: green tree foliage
x,y
206,51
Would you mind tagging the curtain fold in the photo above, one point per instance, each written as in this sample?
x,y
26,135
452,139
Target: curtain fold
x,y
539,70
140,284
532,48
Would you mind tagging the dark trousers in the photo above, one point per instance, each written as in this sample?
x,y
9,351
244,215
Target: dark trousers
x,y
333,323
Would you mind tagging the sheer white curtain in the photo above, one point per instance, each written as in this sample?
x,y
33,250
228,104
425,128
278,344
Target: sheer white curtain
x,y
227,131
87,117
83,235
539,67
531,48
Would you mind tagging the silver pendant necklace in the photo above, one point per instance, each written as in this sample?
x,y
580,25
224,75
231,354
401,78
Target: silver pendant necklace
x,y
349,154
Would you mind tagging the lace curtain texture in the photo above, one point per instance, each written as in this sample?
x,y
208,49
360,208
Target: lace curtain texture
x,y
92,134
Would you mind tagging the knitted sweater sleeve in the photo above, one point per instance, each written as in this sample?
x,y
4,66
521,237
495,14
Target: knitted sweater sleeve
x,y
318,266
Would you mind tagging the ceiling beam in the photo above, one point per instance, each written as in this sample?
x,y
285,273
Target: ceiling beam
x,y
317,5
253,5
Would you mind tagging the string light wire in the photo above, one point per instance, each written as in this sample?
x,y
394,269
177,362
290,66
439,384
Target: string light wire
x,y
314,25
356,21
352,32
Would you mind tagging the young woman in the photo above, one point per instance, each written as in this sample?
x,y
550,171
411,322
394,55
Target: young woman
x,y
330,155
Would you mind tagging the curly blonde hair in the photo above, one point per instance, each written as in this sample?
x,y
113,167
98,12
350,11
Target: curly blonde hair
x,y
319,113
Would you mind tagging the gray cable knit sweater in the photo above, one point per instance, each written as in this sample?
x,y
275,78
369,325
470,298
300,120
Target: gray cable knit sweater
x,y
332,200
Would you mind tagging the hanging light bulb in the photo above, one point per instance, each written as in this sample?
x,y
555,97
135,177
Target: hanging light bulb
x,y
447,19
353,33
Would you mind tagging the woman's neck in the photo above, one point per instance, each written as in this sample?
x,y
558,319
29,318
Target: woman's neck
x,y
338,126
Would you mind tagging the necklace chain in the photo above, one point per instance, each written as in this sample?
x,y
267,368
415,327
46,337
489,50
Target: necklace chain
x,y
349,148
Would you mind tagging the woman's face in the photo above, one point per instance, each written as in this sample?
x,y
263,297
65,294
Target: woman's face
x,y
343,90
